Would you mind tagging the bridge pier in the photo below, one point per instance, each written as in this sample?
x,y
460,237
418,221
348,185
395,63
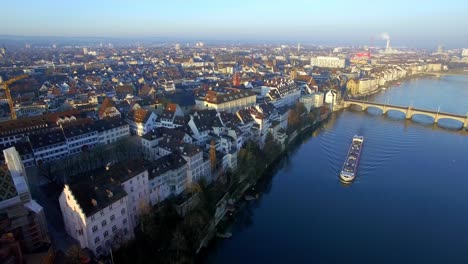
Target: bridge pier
x,y
409,113
465,124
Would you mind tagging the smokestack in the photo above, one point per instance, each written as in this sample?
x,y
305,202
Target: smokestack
x,y
388,45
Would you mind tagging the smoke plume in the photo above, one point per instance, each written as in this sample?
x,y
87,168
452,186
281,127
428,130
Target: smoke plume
x,y
385,36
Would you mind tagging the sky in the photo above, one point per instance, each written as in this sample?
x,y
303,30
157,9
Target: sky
x,y
408,22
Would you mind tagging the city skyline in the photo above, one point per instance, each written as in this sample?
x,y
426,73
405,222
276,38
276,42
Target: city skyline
x,y
334,22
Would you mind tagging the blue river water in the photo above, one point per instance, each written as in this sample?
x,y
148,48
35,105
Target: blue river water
x,y
409,203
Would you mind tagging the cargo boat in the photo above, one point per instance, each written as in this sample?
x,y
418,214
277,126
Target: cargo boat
x,y
349,170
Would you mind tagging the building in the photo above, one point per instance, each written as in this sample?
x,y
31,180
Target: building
x,y
327,62
464,53
49,146
167,176
141,121
353,86
197,167
111,130
281,92
133,177
108,110
313,100
331,98
96,214
20,215
80,137
229,101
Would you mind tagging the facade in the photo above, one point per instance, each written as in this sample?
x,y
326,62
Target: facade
x,y
353,86
141,121
133,177
464,53
20,215
111,130
313,100
331,97
282,92
328,62
49,146
167,176
96,215
229,102
80,137
197,167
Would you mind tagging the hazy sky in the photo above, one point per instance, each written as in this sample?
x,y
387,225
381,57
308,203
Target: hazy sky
x,y
408,22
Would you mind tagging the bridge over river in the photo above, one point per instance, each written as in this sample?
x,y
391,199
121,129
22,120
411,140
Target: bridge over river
x,y
409,111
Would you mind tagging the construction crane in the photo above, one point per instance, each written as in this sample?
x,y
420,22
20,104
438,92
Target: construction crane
x,y
6,85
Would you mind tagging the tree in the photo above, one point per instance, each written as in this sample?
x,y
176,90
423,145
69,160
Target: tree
x,y
213,155
76,255
271,148
179,244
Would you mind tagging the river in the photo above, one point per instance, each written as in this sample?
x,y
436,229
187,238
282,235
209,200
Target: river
x,y
409,203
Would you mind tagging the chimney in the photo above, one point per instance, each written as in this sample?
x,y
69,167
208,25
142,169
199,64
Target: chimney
x,y
94,202
388,45
109,193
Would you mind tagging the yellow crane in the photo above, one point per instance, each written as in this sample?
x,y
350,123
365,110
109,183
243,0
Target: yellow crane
x,y
6,85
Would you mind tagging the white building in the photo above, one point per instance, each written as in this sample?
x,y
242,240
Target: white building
x,y
313,100
464,53
282,92
197,168
141,121
79,137
167,176
111,130
49,146
96,214
331,98
231,101
327,62
133,177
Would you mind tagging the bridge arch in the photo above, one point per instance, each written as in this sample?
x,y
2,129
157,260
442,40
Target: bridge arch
x,y
394,112
422,118
375,109
357,106
450,123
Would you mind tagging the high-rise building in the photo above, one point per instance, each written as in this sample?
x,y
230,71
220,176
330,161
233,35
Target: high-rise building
x,y
465,53
236,80
85,51
327,62
440,49
177,46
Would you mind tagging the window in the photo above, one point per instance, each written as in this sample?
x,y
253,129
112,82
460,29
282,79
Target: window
x,y
110,207
123,211
102,212
112,218
104,223
108,242
124,221
96,240
114,228
99,250
106,234
94,229
92,218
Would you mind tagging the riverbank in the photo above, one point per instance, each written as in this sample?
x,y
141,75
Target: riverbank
x,y
404,167
254,188
390,84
